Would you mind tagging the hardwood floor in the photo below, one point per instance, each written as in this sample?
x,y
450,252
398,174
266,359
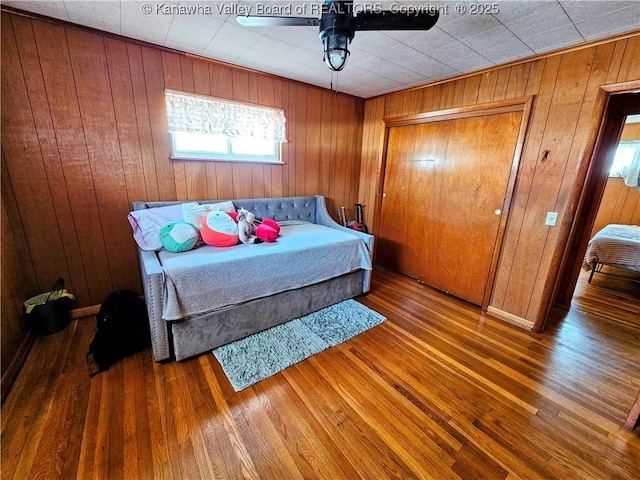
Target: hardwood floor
x,y
438,391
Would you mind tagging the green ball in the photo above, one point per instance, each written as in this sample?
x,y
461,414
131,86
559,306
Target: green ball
x,y
178,237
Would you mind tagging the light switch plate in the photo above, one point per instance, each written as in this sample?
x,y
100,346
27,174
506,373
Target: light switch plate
x,y
552,218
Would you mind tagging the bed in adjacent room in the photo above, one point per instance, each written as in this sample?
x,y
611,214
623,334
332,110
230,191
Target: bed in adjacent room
x,y
616,246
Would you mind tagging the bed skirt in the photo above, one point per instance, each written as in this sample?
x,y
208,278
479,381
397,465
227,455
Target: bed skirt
x,y
203,333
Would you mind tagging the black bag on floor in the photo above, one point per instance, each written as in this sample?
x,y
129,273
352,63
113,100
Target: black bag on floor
x,y
122,329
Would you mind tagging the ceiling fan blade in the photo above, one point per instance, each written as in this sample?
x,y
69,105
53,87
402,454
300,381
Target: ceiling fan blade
x,y
258,21
396,21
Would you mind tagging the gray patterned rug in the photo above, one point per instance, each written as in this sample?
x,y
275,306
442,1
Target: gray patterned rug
x,y
251,359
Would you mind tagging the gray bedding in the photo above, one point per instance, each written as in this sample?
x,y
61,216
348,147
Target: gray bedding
x,y
209,278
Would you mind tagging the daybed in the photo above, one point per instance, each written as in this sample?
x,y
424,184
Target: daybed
x,y
210,296
615,245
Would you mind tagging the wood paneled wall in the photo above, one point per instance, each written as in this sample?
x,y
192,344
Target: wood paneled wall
x,y
18,279
565,87
630,132
620,204
84,133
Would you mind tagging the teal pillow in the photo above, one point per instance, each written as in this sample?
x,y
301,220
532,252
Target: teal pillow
x,y
178,237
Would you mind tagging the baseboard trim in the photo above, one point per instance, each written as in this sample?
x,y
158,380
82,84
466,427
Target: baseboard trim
x,y
12,371
84,312
511,318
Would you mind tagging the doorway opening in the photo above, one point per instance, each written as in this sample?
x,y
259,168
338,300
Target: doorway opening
x,y
619,106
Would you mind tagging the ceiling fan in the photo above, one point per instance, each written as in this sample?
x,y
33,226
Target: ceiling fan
x,y
338,24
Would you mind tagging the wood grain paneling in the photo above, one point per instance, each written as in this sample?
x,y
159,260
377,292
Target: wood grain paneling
x,y
619,204
565,88
18,282
630,132
84,133
27,170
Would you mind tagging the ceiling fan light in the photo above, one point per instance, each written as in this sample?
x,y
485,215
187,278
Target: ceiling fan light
x,y
336,51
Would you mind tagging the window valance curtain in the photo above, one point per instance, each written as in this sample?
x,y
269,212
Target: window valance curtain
x,y
188,112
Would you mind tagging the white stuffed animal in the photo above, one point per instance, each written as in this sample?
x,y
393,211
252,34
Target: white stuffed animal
x,y
246,229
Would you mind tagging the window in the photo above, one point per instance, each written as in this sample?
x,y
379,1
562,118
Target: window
x,y
204,146
207,128
625,153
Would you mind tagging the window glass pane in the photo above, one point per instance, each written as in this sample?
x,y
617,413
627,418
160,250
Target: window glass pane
x,y
622,160
200,142
202,146
252,146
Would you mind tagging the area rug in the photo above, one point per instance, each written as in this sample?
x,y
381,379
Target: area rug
x,y
251,359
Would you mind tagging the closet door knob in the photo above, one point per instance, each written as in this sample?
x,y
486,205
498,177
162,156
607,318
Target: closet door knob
x,y
497,211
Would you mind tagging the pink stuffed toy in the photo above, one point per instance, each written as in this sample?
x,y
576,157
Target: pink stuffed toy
x,y
268,230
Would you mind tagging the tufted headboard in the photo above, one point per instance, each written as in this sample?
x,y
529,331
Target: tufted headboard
x,y
280,208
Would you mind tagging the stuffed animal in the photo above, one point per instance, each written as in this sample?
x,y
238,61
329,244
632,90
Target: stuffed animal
x,y
219,229
268,230
178,237
246,229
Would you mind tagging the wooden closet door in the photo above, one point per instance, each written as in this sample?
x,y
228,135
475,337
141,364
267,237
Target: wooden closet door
x,y
409,187
443,183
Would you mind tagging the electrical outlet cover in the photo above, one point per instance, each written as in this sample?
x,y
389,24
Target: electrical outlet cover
x,y
552,218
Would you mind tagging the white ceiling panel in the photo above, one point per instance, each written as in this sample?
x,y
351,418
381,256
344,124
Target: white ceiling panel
x,y
232,32
144,27
469,35
474,61
431,68
542,20
224,51
507,52
581,11
199,23
554,39
493,38
304,37
512,11
610,23
82,12
189,40
470,25
217,10
49,9
398,53
430,40
453,50
400,74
